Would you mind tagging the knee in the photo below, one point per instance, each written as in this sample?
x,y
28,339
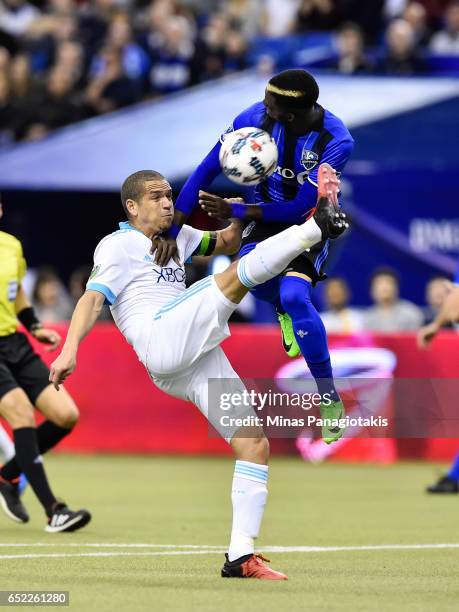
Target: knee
x,y
293,297
19,412
67,417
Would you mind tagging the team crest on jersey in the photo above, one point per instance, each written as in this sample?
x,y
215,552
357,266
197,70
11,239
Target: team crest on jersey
x,y
94,272
309,160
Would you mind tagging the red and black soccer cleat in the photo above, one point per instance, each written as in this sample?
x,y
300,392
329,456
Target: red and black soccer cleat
x,y
251,566
327,213
328,184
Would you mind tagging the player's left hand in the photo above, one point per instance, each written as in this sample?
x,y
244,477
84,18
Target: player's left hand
x,y
217,207
48,336
426,334
62,367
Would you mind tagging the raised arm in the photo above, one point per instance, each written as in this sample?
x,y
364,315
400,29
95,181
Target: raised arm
x,y
287,211
449,313
86,313
188,197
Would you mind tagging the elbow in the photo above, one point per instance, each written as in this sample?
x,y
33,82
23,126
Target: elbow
x,y
94,299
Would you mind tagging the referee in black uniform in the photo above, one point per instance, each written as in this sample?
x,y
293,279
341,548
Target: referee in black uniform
x,y
24,384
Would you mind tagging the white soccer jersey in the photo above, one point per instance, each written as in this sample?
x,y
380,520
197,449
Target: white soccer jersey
x,y
133,285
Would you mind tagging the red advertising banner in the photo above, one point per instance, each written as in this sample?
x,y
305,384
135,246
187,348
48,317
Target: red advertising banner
x,y
122,411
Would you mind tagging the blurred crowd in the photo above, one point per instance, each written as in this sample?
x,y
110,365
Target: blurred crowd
x,y
65,60
54,301
388,313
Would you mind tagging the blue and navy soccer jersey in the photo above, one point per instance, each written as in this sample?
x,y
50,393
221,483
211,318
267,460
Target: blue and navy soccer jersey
x,y
290,193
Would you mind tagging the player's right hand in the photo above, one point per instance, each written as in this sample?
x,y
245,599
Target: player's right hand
x,y
62,367
164,249
426,334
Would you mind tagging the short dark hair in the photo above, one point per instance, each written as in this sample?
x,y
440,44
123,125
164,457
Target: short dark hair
x,y
133,186
295,89
385,271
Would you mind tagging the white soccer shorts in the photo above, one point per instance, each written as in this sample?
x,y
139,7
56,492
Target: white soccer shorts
x,y
184,352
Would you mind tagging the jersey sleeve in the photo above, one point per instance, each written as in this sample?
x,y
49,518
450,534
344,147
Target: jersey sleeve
x,y
189,241
210,168
336,154
110,273
22,265
250,117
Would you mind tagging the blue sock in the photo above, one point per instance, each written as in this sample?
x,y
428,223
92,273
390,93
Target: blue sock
x,y
454,471
295,297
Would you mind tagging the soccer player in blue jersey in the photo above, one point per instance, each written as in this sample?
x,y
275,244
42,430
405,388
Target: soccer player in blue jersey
x,y
307,135
449,313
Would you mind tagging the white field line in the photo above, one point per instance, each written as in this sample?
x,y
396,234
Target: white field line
x,y
220,550
107,545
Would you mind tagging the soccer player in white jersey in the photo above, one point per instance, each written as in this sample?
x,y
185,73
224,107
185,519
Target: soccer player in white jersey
x,y
176,332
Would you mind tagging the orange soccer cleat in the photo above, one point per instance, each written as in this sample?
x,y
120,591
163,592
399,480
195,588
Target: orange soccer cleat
x,y
251,566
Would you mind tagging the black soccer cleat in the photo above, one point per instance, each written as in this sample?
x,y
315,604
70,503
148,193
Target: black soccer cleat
x,y
10,501
327,214
444,485
64,519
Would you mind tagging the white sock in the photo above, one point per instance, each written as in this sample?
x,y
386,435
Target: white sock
x,y
6,445
270,257
248,495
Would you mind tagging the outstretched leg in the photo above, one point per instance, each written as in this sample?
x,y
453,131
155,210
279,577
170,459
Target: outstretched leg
x,y
270,257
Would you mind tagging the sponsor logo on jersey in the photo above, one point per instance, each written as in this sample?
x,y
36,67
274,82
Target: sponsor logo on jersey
x,y
170,275
12,291
309,160
287,173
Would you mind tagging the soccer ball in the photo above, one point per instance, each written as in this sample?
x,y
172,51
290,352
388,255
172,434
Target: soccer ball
x,y
248,155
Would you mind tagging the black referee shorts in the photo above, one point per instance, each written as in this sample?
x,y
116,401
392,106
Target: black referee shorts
x,y
21,367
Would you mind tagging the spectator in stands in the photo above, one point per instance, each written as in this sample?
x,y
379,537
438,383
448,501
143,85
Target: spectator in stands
x,y
340,318
244,16
25,94
94,20
50,300
77,286
135,59
16,17
235,53
416,15
110,88
446,42
437,290
350,46
70,57
402,57
435,10
6,110
390,313
172,59
368,14
57,105
317,15
280,17
212,52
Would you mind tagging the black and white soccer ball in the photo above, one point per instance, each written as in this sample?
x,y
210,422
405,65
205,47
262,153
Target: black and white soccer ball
x,y
248,156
